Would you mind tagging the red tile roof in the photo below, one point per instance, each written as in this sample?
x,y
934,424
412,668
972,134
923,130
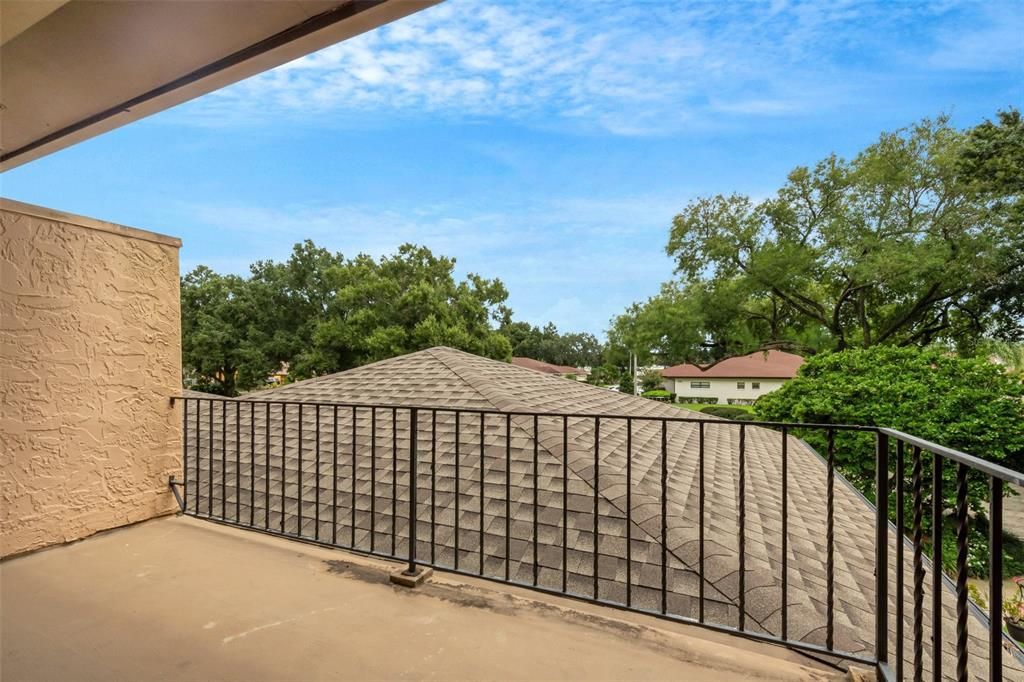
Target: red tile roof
x,y
772,364
546,367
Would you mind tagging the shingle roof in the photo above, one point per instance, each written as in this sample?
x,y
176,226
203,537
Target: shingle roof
x,y
770,364
545,367
442,379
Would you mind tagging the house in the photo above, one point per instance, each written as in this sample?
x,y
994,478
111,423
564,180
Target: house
x,y
737,381
524,478
577,373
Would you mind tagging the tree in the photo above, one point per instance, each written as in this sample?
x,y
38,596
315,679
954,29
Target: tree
x,y
650,380
548,345
399,304
320,313
968,404
224,338
918,239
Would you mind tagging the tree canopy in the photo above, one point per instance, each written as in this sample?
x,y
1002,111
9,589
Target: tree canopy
x,y
918,239
548,345
321,312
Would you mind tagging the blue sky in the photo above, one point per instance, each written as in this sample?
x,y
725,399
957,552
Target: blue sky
x,y
545,143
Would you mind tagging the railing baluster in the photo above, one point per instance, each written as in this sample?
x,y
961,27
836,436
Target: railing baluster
x,y
629,512
223,459
597,489
373,479
266,467
961,573
284,448
316,479
881,549
458,429
298,504
830,534
937,588
184,453
743,527
995,579
252,464
917,483
785,534
209,482
508,494
700,522
355,476
482,489
433,486
238,461
394,479
199,431
536,438
900,523
334,476
664,516
414,425
565,504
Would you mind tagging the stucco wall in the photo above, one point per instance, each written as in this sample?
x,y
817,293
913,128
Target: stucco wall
x,y
724,389
90,351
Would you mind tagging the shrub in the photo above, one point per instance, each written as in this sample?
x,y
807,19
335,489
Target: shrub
x,y
650,380
727,412
657,394
968,404
697,400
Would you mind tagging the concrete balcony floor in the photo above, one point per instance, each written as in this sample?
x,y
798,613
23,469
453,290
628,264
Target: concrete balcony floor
x,y
181,599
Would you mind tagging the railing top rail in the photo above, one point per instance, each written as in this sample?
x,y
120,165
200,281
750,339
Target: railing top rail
x,y
531,413
985,467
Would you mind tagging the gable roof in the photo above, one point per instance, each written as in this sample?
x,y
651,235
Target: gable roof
x,y
771,364
463,454
545,367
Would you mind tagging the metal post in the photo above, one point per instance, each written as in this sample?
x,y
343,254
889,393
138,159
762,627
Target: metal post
x,y
413,424
995,579
881,551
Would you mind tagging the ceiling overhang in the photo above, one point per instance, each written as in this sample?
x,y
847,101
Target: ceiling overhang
x,y
70,70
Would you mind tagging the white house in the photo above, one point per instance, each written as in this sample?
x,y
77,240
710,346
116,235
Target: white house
x,y
735,381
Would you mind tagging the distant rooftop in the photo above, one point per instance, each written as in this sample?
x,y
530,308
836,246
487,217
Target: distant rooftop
x,y
770,364
546,367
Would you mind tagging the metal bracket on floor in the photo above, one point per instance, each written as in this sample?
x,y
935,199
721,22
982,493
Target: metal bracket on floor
x,y
173,484
406,579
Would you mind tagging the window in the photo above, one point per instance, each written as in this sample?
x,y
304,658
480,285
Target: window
x,y
741,384
700,384
755,384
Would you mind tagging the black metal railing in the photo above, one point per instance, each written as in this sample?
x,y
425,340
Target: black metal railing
x,y
735,526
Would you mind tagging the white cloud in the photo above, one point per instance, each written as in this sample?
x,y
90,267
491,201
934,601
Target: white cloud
x,y
626,68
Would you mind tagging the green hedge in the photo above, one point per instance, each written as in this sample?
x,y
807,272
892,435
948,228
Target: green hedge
x,y
728,412
658,394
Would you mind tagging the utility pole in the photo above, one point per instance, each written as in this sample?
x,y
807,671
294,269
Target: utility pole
x,y
633,363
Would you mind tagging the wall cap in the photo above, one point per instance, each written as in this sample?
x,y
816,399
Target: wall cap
x,y
12,206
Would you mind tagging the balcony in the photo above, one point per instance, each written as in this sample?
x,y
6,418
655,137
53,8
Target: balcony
x,y
740,528
182,599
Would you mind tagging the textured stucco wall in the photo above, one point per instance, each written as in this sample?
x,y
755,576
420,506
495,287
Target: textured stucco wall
x,y
90,351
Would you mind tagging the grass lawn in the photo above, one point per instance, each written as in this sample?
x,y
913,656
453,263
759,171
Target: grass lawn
x,y
696,407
